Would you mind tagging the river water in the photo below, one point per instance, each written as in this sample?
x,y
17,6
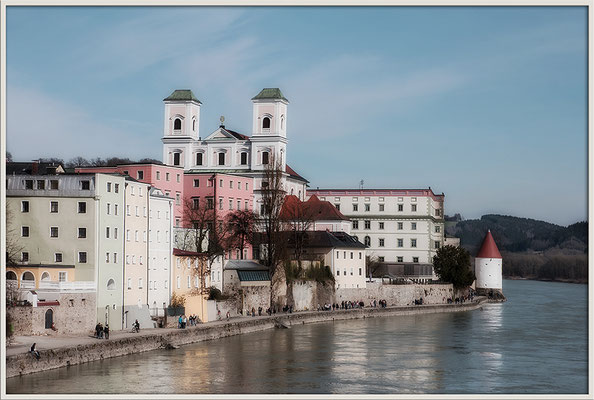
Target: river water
x,y
535,343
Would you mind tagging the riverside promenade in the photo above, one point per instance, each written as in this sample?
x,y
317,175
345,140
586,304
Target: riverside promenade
x,y
64,351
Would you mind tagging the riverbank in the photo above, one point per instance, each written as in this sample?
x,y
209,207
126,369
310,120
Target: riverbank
x,y
534,278
57,352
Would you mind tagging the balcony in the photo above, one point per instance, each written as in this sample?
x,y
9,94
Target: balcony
x,y
27,285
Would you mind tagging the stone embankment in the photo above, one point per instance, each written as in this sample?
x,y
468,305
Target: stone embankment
x,y
24,363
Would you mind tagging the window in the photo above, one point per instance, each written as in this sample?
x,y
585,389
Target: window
x,y
381,242
128,209
82,207
230,204
239,204
265,157
53,206
109,186
415,259
246,205
355,207
144,236
413,207
437,244
210,203
381,225
337,272
136,236
413,226
367,207
54,184
25,206
116,188
178,282
196,203
239,185
158,214
167,176
177,199
140,260
85,185
128,235
115,209
24,231
381,259
337,254
115,233
400,242
230,184
129,283
177,124
54,231
413,243
140,174
108,208
165,284
115,257
139,283
400,259
360,255
132,190
367,241
437,229
62,275
194,124
400,207
220,203
144,211
136,211
82,257
140,191
25,256
107,232
381,207
351,271
133,259
367,224
190,281
40,185
243,158
221,158
107,257
196,182
158,175
177,178
337,206
199,158
82,233
127,259
58,257
266,123
352,255
355,224
28,184
400,225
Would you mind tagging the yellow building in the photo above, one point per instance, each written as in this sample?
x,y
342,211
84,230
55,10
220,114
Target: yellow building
x,y
189,278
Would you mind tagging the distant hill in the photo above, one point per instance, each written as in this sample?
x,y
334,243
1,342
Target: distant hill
x,y
515,234
531,249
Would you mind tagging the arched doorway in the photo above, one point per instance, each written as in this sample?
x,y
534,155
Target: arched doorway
x,y
49,319
11,276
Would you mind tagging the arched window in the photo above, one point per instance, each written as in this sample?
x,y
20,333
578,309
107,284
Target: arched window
x,y
266,123
49,319
10,275
194,124
367,241
27,276
177,124
45,276
282,122
292,189
176,158
264,157
111,284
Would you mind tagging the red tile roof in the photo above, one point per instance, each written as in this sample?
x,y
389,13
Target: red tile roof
x,y
294,174
313,209
237,134
489,248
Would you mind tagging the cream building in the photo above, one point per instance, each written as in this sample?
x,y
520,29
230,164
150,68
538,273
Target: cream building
x,y
397,226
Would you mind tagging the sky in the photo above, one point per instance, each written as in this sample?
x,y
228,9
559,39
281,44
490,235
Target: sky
x,y
485,104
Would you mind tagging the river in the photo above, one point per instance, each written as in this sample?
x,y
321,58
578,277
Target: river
x,y
535,343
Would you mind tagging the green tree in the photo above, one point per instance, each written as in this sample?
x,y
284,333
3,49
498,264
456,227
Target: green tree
x,y
452,264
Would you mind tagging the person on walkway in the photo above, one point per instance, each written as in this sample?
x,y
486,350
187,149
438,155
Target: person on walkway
x,y
184,321
259,311
179,322
34,352
97,327
100,333
253,312
136,326
219,315
106,331
228,315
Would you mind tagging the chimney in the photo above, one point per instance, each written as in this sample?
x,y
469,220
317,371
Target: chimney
x,y
35,167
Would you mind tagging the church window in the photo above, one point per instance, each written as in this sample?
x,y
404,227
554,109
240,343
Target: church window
x,y
282,122
244,158
266,123
198,158
194,124
221,158
265,157
367,241
176,158
177,124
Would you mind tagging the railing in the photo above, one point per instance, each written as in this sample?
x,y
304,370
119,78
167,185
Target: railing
x,y
49,285
65,286
27,285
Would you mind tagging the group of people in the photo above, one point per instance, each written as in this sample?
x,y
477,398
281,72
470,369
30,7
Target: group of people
x,y
101,331
419,302
183,321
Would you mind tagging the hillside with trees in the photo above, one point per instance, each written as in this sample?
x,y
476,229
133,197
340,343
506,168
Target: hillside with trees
x,y
531,249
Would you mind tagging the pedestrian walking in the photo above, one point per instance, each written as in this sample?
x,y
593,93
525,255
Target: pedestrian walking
x,y
106,331
34,351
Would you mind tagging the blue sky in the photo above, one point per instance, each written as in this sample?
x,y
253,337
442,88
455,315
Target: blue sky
x,y
485,104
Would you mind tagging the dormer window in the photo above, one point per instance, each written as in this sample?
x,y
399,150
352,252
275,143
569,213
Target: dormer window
x,y
266,123
177,124
264,157
221,158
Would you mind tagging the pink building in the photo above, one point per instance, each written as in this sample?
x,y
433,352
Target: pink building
x,y
168,178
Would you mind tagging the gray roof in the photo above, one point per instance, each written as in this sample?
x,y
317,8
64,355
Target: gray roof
x,y
244,265
182,95
252,276
270,93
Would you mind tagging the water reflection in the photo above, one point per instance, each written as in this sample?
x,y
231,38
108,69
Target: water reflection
x,y
524,346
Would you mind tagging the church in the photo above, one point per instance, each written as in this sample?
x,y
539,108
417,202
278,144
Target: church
x,y
227,151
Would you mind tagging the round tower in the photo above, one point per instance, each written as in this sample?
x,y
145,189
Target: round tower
x,y
488,267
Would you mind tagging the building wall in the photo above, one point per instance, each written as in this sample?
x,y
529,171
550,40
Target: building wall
x,y
488,273
397,295
428,217
159,262
186,281
347,266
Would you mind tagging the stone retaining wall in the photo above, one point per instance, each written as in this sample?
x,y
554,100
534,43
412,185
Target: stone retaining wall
x,y
62,357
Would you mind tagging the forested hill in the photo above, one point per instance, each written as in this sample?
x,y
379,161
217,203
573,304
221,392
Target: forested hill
x,y
513,234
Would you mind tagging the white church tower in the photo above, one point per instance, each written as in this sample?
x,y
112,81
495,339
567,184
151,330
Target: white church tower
x,y
181,129
269,128
488,267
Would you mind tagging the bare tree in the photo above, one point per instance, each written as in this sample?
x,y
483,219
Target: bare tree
x,y
8,156
77,162
298,218
52,160
241,229
273,195
13,247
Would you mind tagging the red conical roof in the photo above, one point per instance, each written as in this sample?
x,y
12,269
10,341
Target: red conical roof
x,y
489,248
